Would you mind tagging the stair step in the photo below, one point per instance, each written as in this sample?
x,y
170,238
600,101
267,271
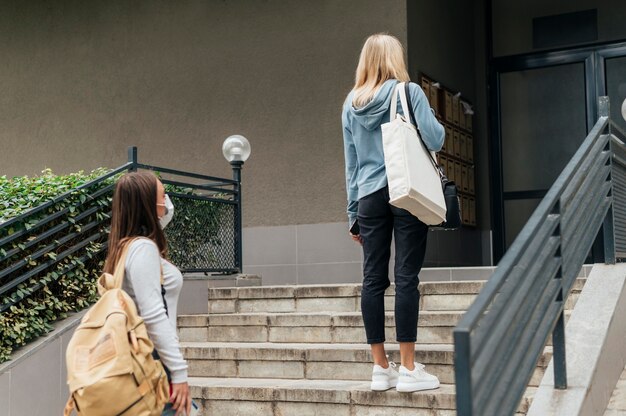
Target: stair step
x,y
436,296
341,319
272,397
299,350
334,298
434,327
340,327
314,361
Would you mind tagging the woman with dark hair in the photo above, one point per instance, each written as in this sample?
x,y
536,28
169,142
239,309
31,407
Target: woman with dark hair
x,y
141,210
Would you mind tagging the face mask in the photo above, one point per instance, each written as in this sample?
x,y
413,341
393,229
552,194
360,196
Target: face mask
x,y
169,212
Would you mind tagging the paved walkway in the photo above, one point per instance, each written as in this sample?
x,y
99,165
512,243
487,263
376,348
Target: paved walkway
x,y
617,405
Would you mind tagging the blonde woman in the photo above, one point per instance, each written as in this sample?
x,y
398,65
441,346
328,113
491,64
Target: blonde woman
x,y
373,221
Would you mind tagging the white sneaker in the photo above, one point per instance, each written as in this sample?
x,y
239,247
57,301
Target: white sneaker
x,y
416,380
384,378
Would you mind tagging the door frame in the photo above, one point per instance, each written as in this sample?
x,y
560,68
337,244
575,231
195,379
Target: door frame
x,y
617,50
593,57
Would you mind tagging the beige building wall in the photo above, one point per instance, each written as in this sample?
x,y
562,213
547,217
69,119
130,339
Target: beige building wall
x,y
81,81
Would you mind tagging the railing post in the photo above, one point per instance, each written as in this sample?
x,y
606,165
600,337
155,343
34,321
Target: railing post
x,y
132,157
558,332
608,232
604,106
236,165
463,373
609,235
558,348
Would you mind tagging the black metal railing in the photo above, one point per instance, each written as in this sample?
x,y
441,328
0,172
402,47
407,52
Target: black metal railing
x,y
204,236
618,146
206,233
53,239
500,339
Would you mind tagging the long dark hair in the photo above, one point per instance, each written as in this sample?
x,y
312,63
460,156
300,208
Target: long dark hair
x,y
134,214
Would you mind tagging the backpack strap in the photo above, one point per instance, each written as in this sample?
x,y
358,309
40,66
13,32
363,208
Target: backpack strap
x,y
69,406
114,281
117,278
120,268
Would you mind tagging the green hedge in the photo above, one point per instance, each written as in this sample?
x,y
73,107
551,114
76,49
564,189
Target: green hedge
x,y
70,284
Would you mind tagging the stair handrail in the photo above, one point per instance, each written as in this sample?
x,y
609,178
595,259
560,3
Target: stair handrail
x,y
501,337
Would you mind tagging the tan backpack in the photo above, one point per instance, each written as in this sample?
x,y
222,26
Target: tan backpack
x,y
110,369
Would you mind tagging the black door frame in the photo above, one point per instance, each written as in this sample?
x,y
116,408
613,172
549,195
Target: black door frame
x,y
593,57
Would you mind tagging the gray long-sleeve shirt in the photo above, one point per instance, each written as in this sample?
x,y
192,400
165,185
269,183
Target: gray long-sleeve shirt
x,y
142,282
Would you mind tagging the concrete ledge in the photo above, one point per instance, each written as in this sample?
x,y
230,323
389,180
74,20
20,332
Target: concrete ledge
x,y
594,346
33,382
229,280
60,328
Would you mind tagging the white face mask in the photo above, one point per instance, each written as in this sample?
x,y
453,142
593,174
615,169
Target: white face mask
x,y
169,212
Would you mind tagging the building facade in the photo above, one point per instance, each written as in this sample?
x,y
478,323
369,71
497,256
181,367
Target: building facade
x,y
82,81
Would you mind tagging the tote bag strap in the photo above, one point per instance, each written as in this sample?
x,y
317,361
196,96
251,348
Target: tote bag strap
x,y
403,100
407,99
393,109
398,91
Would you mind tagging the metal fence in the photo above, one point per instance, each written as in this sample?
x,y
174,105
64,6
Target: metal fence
x,y
500,339
205,234
55,238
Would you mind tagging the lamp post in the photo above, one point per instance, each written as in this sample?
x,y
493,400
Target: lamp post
x,y
236,150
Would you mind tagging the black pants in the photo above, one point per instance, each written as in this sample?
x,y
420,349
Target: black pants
x,y
378,220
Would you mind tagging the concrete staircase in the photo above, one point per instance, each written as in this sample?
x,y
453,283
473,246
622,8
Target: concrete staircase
x,y
300,351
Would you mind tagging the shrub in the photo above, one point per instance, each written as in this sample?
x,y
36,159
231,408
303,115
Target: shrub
x,y
57,282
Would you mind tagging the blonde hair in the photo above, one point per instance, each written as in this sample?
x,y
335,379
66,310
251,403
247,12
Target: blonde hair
x,y
382,58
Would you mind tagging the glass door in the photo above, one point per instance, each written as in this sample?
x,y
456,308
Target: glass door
x,y
544,105
543,111
542,123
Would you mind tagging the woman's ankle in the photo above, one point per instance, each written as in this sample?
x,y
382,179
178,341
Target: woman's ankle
x,y
383,364
409,365
379,355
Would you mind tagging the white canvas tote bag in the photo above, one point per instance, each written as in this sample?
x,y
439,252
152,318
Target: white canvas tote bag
x,y
414,182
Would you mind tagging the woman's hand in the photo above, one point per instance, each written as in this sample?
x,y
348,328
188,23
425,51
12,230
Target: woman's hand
x,y
181,398
356,238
